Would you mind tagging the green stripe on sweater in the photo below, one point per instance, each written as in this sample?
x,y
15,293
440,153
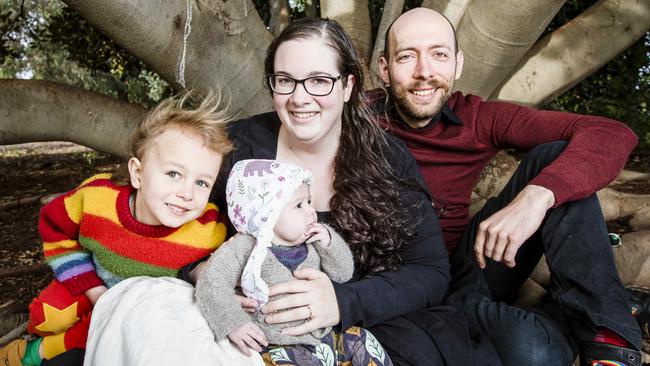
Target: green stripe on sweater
x,y
123,266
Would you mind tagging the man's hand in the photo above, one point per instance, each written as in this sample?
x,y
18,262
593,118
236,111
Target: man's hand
x,y
309,298
248,335
94,293
500,235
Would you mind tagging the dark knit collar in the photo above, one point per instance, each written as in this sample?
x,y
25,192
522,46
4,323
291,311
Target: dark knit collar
x,y
290,256
130,223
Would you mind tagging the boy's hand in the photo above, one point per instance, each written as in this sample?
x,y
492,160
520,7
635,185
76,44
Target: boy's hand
x,y
248,335
94,293
318,232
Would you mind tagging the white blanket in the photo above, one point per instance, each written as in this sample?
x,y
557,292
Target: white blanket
x,y
155,321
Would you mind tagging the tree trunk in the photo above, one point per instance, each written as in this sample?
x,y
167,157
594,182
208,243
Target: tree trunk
x,y
280,16
452,9
310,8
354,17
575,51
223,44
495,35
392,9
32,110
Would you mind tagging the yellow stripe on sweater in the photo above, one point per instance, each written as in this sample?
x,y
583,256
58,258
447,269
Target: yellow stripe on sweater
x,y
196,235
96,177
100,202
59,244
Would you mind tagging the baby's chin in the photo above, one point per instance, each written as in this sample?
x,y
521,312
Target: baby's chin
x,y
292,243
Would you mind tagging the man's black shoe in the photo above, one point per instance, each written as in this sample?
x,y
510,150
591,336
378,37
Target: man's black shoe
x,y
639,299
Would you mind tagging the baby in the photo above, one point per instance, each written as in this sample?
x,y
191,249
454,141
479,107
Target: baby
x,y
269,204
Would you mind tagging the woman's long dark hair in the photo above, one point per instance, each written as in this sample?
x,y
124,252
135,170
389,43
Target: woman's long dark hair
x,y
367,207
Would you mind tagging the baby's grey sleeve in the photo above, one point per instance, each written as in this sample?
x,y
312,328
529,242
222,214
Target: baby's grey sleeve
x,y
215,289
336,259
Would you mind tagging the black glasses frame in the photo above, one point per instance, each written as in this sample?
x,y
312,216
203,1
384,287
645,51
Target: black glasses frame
x,y
270,77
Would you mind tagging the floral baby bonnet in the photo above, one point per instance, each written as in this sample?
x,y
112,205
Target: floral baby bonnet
x,y
257,191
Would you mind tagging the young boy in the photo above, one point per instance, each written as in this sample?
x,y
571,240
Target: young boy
x,y
105,231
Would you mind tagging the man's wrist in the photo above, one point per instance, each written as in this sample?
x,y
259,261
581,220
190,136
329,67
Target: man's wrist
x,y
540,195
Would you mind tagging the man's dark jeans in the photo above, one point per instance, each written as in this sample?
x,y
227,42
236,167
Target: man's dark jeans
x,y
585,291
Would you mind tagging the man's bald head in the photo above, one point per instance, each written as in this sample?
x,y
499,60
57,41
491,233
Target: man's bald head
x,y
418,14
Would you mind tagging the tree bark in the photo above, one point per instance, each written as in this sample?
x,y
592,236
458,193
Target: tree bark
x,y
280,16
354,17
32,110
562,59
495,35
392,9
452,9
223,44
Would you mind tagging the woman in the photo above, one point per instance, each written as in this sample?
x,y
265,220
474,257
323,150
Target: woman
x,y
367,187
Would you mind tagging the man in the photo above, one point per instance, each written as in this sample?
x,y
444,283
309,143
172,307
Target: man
x,y
548,207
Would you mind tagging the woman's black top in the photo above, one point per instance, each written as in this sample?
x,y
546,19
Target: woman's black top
x,y
366,300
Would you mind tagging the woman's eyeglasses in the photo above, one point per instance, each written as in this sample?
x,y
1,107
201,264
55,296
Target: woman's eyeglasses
x,y
318,86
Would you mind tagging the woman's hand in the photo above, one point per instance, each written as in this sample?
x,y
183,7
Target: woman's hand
x,y
309,298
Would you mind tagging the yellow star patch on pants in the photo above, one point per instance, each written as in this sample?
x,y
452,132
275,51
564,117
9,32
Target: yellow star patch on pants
x,y
57,321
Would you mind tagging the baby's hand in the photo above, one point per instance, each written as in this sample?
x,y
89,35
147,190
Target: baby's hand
x,y
248,335
318,232
247,304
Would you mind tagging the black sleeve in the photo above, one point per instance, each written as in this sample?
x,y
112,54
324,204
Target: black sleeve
x,y
422,279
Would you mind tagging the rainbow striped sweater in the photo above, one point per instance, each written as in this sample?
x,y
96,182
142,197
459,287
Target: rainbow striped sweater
x,y
90,238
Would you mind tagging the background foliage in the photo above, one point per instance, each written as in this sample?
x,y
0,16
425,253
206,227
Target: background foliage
x,y
620,89
44,39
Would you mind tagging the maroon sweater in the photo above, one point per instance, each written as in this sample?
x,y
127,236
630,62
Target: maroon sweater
x,y
453,150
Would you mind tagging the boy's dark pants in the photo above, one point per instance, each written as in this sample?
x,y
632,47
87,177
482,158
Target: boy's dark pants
x,y
585,293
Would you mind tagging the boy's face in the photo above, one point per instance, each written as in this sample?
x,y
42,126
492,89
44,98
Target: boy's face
x,y
296,218
174,178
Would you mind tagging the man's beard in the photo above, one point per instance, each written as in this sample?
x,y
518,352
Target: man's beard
x,y
419,112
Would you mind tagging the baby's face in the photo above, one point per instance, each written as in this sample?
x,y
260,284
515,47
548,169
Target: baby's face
x,y
296,219
174,178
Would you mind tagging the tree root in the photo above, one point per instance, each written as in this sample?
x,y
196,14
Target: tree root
x,y
24,270
19,202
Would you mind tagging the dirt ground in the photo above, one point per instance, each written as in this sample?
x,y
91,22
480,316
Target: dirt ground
x,y
28,173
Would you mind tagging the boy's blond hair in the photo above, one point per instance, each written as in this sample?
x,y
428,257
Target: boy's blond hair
x,y
188,111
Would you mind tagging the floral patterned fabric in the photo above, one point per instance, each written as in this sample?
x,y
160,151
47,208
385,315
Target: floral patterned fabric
x,y
356,346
